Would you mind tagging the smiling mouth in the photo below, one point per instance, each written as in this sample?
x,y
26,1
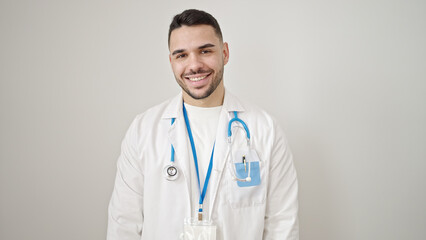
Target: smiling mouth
x,y
196,79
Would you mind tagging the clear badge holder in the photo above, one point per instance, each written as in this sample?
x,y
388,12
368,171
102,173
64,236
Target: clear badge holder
x,y
193,229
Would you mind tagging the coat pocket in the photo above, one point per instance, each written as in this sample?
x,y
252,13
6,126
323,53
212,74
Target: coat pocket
x,y
247,193
244,169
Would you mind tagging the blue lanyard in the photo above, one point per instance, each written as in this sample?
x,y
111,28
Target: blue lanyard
x,y
194,154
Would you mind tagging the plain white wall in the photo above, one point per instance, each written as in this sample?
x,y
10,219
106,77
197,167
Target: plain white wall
x,y
346,79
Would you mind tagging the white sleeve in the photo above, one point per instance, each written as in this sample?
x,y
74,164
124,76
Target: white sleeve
x,y
281,220
125,212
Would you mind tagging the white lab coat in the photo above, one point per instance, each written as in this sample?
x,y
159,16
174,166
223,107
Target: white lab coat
x,y
144,205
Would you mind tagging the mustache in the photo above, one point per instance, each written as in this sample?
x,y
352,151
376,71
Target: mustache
x,y
200,71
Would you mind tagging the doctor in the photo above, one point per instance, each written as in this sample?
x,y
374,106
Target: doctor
x,y
203,161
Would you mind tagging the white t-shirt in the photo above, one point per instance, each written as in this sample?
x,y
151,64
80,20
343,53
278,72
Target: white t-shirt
x,y
203,122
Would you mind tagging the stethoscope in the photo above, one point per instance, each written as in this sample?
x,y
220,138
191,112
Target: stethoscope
x,y
171,172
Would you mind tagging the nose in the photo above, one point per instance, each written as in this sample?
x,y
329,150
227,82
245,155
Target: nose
x,y
195,63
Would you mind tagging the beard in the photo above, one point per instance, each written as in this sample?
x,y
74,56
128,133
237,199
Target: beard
x,y
210,88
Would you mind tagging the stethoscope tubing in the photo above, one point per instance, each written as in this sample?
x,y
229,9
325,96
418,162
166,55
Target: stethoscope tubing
x,y
229,155
231,165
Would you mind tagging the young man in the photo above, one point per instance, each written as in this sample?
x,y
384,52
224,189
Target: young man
x,y
203,161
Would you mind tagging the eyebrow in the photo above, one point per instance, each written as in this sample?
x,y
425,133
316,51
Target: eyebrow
x,y
207,45
177,51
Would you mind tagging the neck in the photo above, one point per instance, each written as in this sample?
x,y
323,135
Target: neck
x,y
214,100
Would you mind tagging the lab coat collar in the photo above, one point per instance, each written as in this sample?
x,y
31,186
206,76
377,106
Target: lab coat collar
x,y
231,103
174,109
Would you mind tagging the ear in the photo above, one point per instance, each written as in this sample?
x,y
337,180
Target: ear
x,y
225,53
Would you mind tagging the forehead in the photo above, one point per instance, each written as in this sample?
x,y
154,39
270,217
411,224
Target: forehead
x,y
187,37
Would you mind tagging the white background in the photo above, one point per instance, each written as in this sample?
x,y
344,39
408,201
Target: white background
x,y
346,80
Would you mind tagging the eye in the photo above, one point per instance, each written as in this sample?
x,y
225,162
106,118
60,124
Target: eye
x,y
206,51
182,55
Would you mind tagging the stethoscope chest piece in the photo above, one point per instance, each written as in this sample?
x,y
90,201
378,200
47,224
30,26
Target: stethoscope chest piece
x,y
170,172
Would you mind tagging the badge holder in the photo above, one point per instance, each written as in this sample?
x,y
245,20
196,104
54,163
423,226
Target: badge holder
x,y
193,229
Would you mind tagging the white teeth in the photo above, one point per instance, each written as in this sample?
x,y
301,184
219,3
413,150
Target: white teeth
x,y
197,79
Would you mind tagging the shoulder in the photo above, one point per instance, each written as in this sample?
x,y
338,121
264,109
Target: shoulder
x,y
263,126
256,114
152,115
151,120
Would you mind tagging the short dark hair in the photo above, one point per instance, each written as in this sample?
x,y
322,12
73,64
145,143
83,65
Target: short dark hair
x,y
192,17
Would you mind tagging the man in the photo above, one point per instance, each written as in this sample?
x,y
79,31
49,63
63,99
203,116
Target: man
x,y
203,161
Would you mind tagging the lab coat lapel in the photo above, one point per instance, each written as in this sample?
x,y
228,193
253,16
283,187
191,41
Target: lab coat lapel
x,y
219,160
179,139
230,104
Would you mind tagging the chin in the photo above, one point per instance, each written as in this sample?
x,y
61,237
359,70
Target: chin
x,y
199,96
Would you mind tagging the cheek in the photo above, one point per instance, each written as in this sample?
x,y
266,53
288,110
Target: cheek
x,y
214,63
177,69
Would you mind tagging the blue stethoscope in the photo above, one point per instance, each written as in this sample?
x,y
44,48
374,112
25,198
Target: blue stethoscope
x,y
171,173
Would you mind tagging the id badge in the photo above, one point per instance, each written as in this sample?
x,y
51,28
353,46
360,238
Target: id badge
x,y
198,230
